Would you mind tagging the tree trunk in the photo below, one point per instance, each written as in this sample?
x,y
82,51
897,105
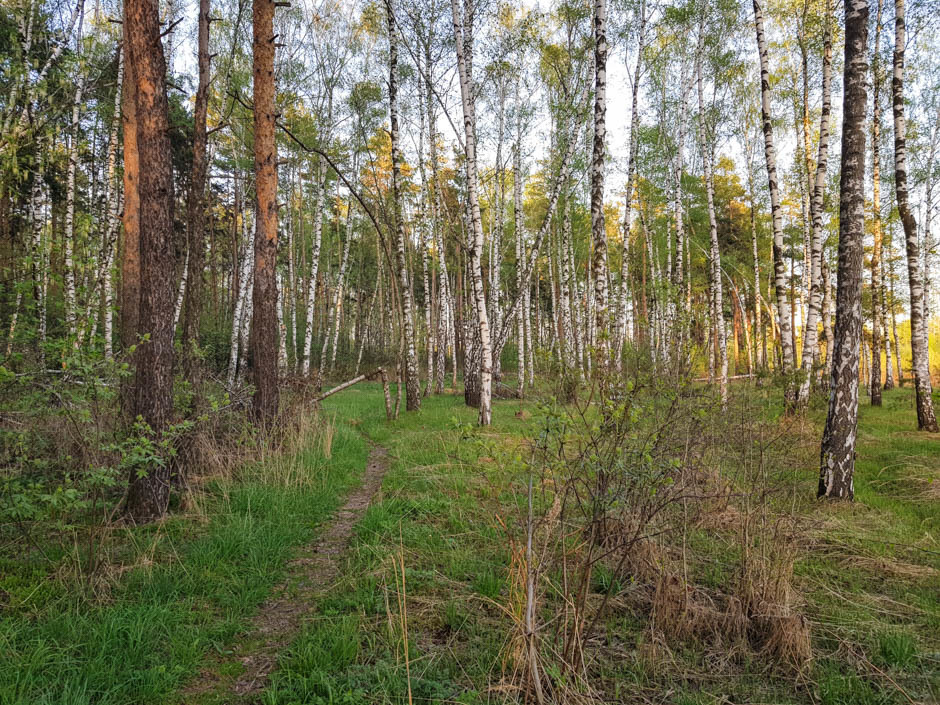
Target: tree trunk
x,y
264,328
464,46
598,230
412,378
319,199
926,419
129,301
628,201
114,210
876,258
196,205
148,493
717,303
780,273
69,237
837,453
811,326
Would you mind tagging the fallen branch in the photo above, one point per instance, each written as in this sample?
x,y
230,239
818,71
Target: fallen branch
x,y
377,372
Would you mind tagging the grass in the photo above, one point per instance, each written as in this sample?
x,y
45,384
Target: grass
x,y
868,589
185,592
867,576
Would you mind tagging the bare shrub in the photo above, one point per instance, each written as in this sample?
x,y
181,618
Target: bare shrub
x,y
617,485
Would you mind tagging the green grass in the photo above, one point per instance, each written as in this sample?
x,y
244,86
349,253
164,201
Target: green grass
x,y
439,511
868,580
190,594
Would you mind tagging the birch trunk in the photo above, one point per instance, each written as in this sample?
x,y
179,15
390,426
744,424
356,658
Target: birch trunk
x,y
281,326
780,272
926,419
628,201
336,310
239,314
837,452
717,302
320,186
876,252
69,264
412,379
114,203
518,225
598,230
464,47
811,326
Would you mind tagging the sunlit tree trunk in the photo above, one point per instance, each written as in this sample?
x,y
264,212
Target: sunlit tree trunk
x,y
130,252
876,251
838,443
264,328
811,325
770,153
926,419
717,300
628,201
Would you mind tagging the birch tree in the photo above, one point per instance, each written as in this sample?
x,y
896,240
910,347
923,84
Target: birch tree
x,y
412,380
464,48
839,436
926,419
770,155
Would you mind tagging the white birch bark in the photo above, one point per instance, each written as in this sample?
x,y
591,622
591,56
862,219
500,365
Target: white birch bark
x,y
811,326
114,206
623,308
69,264
244,286
412,380
926,419
320,186
464,47
600,320
717,302
780,274
281,326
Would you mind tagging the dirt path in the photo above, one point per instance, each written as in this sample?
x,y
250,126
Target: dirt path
x,y
279,619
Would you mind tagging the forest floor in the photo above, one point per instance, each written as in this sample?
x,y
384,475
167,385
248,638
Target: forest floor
x,y
412,597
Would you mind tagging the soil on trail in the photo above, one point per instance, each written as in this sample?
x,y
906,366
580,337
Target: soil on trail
x,y
279,619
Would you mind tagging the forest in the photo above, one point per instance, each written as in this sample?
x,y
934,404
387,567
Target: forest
x,y
469,351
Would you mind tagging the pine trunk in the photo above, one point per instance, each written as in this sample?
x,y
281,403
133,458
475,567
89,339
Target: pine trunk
x,y
148,494
264,328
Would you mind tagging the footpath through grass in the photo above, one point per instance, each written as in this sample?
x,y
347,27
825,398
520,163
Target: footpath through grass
x,y
431,563
180,589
